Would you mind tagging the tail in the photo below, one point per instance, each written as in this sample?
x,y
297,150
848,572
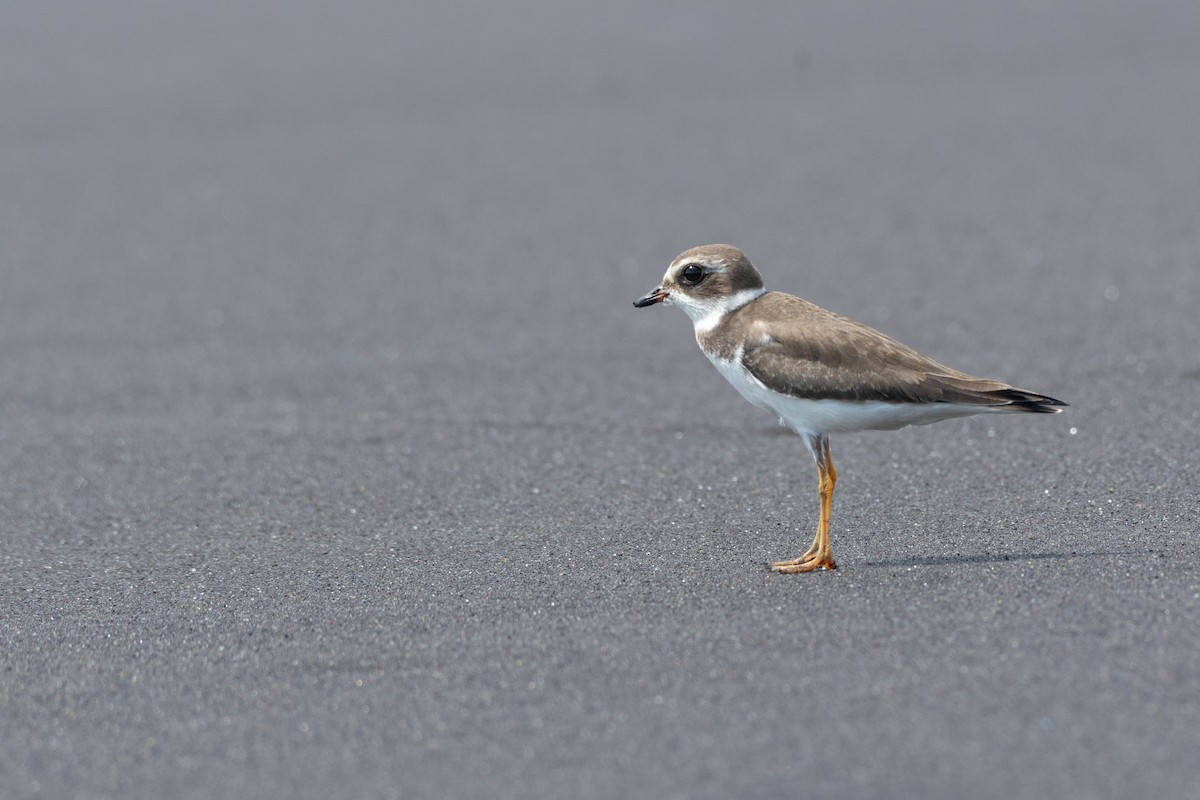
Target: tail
x,y
995,396
1012,399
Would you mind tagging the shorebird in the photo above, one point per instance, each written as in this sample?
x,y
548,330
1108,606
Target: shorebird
x,y
820,372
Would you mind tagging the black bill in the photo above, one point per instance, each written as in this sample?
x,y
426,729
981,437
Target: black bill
x,y
657,296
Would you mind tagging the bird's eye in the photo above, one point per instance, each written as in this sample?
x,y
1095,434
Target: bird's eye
x,y
692,273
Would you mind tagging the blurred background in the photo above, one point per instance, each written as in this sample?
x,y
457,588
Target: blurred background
x,y
857,151
335,460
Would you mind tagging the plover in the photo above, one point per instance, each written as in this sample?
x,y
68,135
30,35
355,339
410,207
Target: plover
x,y
820,372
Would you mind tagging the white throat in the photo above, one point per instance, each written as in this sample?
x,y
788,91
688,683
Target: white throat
x,y
708,315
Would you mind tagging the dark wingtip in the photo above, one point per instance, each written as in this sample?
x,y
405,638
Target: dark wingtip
x,y
1036,403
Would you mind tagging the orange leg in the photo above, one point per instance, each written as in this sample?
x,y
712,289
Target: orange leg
x,y
819,554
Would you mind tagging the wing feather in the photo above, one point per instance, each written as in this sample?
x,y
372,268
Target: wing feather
x,y
814,353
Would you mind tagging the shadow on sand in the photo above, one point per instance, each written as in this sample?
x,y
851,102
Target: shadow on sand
x,y
982,558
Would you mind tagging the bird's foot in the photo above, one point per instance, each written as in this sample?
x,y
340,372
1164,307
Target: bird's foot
x,y
806,563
